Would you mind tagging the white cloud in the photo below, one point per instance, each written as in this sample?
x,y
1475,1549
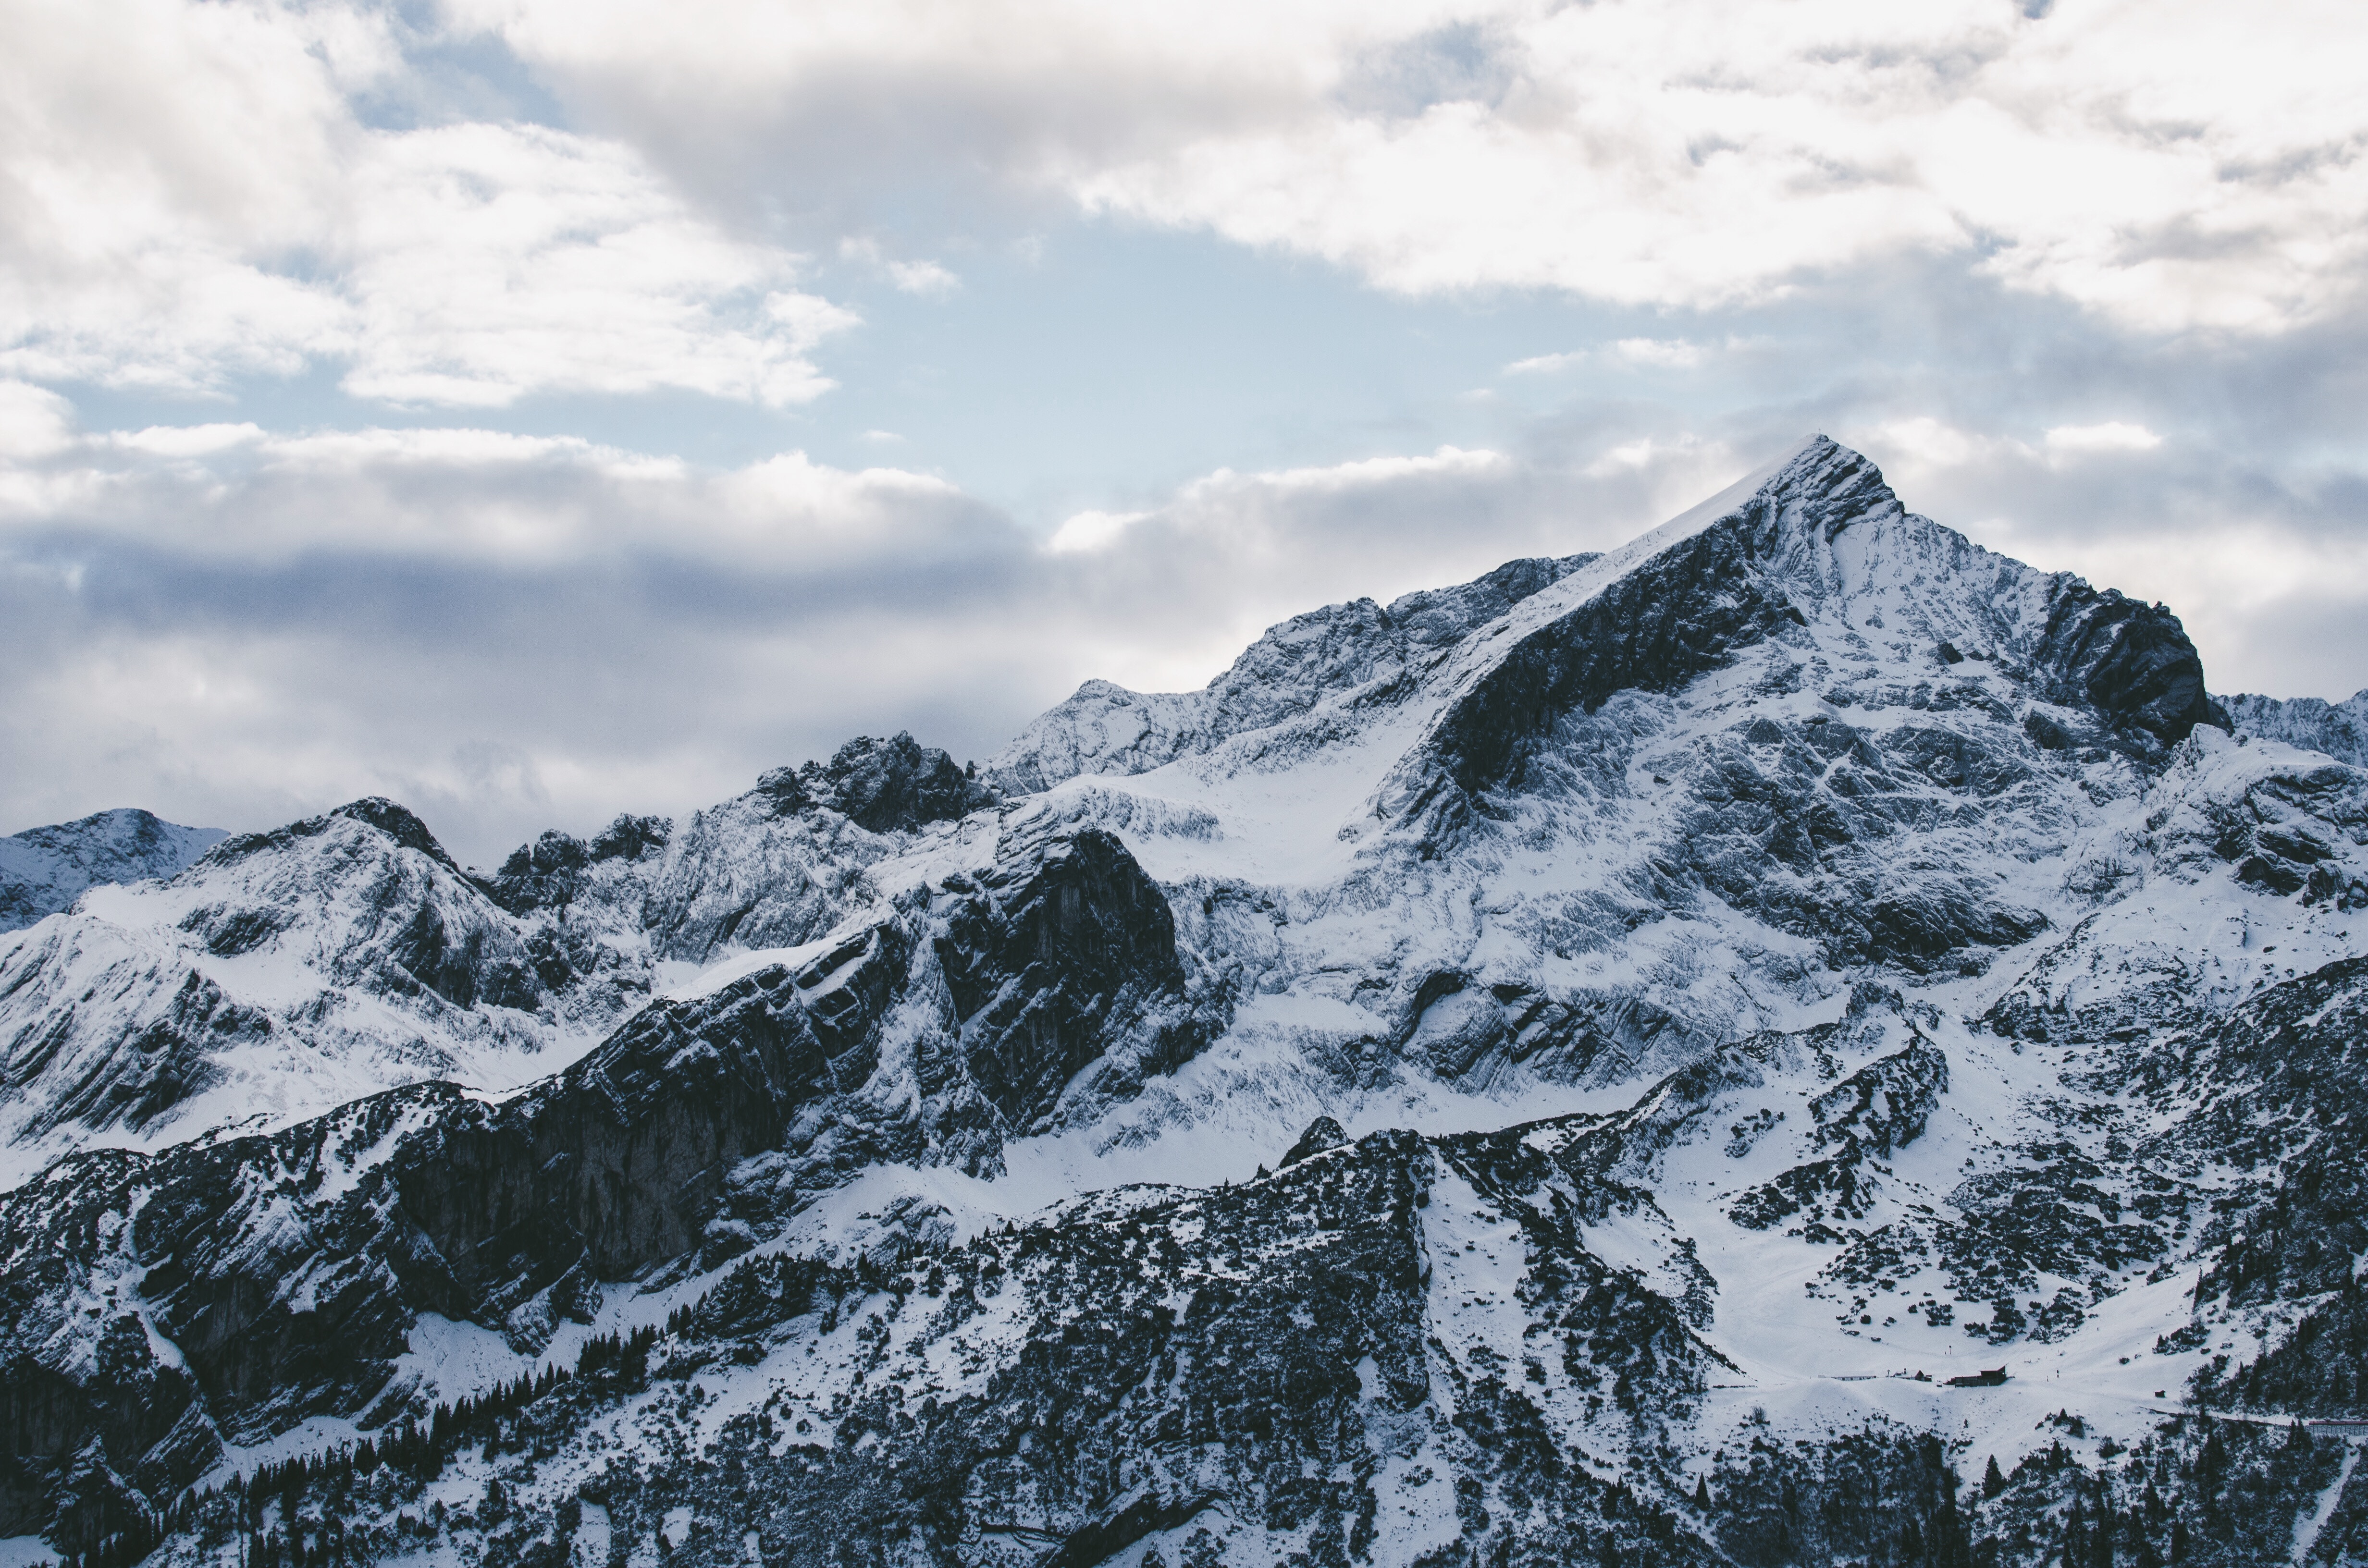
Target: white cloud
x,y
486,498
1084,531
1923,442
1547,364
2268,569
485,262
2114,435
466,617
1636,456
912,276
186,195
2169,164
186,440
514,631
1364,473
1659,353
34,420
926,278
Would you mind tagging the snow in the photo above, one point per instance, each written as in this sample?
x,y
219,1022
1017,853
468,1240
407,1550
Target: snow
x,y
2306,1529
1322,919
43,870
697,983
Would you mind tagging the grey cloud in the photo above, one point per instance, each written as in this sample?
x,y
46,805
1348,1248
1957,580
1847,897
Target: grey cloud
x,y
242,638
239,685
502,698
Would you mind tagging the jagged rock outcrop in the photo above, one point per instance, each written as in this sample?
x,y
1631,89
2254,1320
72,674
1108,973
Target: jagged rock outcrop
x,y
550,872
1060,951
276,976
2128,662
289,970
898,784
891,785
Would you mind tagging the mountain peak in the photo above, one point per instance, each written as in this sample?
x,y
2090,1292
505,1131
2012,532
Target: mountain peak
x,y
391,818
396,820
44,869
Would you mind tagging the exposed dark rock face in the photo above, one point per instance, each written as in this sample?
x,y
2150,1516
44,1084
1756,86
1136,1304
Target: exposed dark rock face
x,y
141,1072
1693,607
897,784
2130,662
540,875
1322,1135
1293,1389
398,823
1055,952
2281,1092
1654,630
631,838
422,1200
785,863
547,874
1800,821
2286,834
1880,1108
1301,1392
111,1027
646,1152
1366,654
44,869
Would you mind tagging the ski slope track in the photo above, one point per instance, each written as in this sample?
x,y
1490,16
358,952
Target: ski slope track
x,y
1796,1040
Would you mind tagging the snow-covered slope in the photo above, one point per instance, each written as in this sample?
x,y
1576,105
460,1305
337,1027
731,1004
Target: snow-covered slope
x,y
44,869
280,975
2338,729
1668,797
1562,1069
285,973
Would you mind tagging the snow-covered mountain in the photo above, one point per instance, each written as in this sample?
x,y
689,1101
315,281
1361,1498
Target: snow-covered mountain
x,y
2338,729
280,976
44,869
1564,1068
284,974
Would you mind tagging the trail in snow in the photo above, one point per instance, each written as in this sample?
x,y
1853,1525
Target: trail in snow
x,y
2306,1531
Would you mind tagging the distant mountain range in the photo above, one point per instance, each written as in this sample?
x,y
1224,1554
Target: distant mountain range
x,y
1565,1068
44,869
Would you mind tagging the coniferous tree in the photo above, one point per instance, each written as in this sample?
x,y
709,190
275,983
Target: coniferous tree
x,y
1945,1540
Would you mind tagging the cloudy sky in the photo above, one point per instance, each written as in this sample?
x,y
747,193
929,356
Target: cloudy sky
x,y
536,409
